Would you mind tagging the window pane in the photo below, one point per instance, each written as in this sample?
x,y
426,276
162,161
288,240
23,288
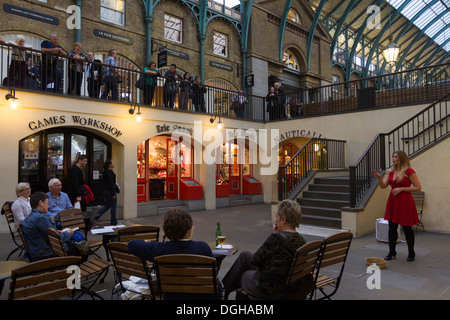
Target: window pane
x,y
78,145
172,28
100,154
220,44
29,159
55,156
112,11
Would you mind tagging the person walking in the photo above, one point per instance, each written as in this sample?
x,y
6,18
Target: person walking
x,y
400,206
76,182
110,191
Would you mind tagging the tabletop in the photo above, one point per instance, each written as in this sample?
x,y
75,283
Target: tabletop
x,y
7,266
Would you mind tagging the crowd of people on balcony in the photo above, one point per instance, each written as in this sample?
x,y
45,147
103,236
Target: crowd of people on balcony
x,y
23,73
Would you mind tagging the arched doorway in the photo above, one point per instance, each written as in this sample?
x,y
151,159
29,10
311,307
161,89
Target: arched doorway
x,y
50,153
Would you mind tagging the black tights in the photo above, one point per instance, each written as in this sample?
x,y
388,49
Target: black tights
x,y
409,235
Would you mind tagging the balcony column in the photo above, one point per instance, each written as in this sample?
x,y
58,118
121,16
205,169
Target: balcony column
x,y
202,38
148,23
78,22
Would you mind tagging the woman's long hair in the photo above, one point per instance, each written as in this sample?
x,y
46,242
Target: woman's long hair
x,y
403,163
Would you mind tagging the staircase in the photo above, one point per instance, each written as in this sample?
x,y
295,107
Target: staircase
x,y
322,202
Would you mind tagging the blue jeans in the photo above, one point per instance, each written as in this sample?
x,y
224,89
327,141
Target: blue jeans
x,y
110,203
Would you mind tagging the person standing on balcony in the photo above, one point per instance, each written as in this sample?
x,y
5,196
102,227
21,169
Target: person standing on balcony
x,y
198,95
49,72
151,80
280,100
171,86
185,91
18,68
400,207
76,68
93,76
270,99
111,75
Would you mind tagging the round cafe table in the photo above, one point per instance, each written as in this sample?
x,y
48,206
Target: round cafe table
x,y
221,253
5,270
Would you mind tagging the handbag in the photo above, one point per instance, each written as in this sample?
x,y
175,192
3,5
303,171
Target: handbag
x,y
140,83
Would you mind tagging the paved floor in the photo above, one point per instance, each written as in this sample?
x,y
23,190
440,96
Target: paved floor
x,y
427,278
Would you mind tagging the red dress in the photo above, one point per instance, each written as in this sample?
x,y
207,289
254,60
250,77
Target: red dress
x,y
401,208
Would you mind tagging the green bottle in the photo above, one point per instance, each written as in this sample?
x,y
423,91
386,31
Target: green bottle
x,y
218,233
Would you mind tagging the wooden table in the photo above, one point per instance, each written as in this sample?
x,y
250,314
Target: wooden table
x,y
220,253
5,270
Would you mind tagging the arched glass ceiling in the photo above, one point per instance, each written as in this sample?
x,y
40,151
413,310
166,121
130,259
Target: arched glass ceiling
x,y
415,6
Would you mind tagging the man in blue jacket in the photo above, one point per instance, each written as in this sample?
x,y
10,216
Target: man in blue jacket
x,y
35,225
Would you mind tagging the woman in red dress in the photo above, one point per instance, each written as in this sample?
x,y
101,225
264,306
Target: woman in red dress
x,y
400,207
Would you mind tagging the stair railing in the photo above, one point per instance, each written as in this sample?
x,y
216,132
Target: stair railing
x,y
421,131
315,154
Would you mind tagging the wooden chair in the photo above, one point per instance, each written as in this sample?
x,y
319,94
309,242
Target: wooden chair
x,y
42,280
73,218
419,199
25,246
186,275
15,236
126,263
91,270
148,233
334,251
300,282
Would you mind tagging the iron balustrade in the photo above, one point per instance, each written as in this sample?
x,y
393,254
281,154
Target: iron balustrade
x,y
68,76
421,131
422,85
316,154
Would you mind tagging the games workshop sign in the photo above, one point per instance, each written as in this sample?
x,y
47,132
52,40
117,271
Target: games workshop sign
x,y
74,120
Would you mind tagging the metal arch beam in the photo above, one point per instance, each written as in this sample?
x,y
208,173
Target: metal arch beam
x,y
407,26
287,6
348,68
312,30
380,34
435,52
429,42
340,24
420,34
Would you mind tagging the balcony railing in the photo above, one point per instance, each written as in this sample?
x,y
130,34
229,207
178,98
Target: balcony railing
x,y
24,68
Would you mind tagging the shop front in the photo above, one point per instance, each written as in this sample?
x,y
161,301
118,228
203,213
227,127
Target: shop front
x,y
50,153
165,170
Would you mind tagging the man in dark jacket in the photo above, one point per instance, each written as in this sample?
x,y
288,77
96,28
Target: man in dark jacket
x,y
77,182
94,76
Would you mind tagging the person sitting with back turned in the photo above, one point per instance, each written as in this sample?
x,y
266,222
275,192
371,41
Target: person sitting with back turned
x,y
264,273
57,200
35,225
177,227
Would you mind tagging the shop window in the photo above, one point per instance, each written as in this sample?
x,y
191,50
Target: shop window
x,y
55,155
173,28
113,11
29,163
285,153
294,16
220,44
99,156
290,60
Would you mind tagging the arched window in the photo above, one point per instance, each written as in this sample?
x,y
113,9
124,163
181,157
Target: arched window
x,y
290,60
294,16
222,96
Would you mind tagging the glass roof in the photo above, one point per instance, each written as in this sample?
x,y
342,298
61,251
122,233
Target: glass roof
x,y
434,20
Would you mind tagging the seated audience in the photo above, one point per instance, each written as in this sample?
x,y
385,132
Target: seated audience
x,y
264,273
35,225
21,207
177,228
57,200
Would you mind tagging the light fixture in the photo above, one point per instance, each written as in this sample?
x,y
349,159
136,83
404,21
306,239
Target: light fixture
x,y
390,53
219,124
133,109
12,96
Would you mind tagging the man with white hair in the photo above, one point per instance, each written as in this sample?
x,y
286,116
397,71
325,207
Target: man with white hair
x,y
57,200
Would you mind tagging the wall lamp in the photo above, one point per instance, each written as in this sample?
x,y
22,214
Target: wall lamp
x,y
133,109
12,96
219,124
